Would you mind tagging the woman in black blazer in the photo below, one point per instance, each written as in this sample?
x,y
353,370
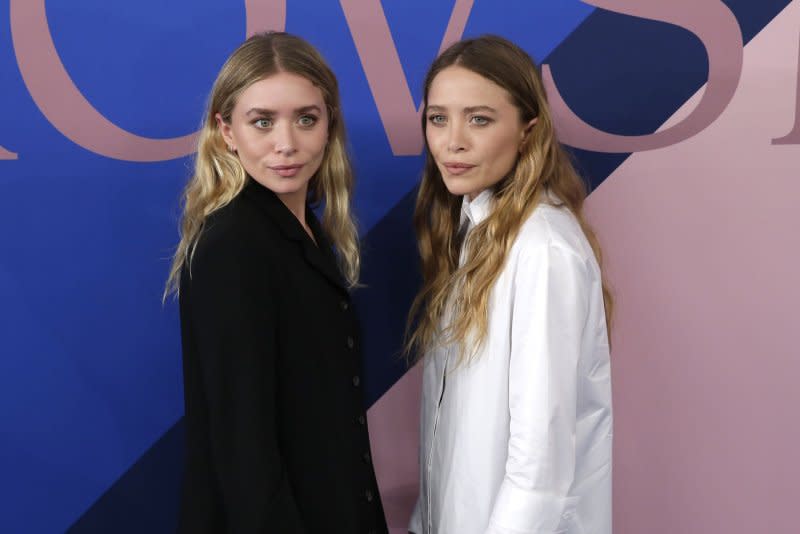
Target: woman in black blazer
x,y
276,432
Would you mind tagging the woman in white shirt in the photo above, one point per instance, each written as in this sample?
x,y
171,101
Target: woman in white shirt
x,y
511,319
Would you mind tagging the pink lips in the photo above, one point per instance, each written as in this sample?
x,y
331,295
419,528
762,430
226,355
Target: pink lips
x,y
457,168
286,171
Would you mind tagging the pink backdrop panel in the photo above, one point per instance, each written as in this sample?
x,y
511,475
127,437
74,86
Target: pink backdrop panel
x,y
703,248
394,438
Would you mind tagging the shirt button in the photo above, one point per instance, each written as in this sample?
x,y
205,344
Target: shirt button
x,y
367,458
350,342
356,380
361,420
368,495
344,305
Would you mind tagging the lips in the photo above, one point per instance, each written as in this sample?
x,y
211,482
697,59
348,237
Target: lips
x,y
286,171
455,167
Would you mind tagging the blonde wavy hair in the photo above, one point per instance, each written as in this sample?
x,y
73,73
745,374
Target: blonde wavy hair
x,y
219,175
543,167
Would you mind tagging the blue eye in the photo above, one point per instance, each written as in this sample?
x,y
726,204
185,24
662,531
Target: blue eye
x,y
479,120
307,120
263,123
437,120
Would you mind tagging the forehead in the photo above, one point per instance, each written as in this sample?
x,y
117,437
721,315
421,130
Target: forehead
x,y
457,87
281,91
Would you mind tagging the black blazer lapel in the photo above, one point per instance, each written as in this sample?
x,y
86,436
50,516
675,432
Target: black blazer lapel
x,y
319,256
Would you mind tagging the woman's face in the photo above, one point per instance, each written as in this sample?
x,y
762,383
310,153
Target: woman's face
x,y
473,129
279,129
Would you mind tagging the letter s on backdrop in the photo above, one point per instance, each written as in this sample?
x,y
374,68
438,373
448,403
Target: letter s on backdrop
x,y
716,27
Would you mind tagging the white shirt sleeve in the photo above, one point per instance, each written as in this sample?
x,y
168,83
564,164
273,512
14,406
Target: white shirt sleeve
x,y
550,309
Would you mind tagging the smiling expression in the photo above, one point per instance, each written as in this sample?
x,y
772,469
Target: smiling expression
x,y
279,129
474,131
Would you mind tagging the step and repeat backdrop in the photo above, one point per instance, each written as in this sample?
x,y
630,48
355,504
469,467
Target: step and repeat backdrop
x,y
683,115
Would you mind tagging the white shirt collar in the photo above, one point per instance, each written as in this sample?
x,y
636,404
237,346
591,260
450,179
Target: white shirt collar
x,y
478,209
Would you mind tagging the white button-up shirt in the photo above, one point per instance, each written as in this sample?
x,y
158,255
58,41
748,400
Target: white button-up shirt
x,y
519,440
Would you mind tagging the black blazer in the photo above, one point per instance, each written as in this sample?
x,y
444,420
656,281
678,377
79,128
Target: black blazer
x,y
276,432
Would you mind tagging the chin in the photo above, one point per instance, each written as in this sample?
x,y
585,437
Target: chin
x,y
289,188
459,188
284,186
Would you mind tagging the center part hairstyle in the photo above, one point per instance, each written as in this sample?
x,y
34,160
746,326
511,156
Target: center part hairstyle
x,y
543,168
219,175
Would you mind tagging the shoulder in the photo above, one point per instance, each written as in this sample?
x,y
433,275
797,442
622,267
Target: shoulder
x,y
553,233
554,226
233,237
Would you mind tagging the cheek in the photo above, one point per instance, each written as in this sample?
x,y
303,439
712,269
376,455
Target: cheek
x,y
244,138
433,137
504,151
317,143
315,140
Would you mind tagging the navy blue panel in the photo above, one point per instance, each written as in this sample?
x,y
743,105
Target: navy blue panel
x,y
391,276
753,16
145,499
628,75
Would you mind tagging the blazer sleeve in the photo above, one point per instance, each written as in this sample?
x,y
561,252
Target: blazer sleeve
x,y
549,309
234,310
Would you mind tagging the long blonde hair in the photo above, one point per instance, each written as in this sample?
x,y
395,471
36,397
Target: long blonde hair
x,y
543,166
219,175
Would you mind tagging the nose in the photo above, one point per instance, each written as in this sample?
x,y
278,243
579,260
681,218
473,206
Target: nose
x,y
284,138
456,140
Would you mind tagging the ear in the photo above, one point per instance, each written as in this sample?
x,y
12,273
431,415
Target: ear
x,y
225,130
527,130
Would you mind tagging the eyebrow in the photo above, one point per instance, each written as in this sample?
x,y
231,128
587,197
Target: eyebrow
x,y
470,109
298,111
